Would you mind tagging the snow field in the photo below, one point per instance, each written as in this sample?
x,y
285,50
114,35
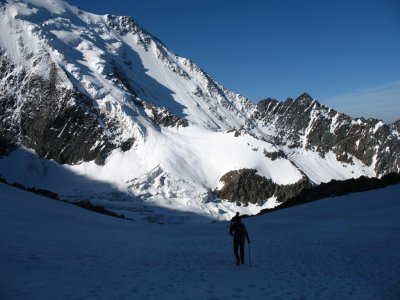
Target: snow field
x,y
338,248
325,169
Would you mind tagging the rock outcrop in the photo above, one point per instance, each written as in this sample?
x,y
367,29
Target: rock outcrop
x,y
246,186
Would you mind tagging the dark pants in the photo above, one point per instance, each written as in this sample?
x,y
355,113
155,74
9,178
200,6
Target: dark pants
x,y
236,246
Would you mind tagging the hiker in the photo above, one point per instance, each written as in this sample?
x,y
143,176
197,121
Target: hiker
x,y
239,233
233,222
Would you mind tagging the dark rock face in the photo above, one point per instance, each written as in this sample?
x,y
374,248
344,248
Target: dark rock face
x,y
245,186
125,25
396,126
288,191
58,123
118,77
6,146
275,155
305,123
163,117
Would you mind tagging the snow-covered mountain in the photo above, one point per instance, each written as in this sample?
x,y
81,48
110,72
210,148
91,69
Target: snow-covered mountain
x,y
97,97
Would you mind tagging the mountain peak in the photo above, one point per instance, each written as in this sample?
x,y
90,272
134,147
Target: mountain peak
x,y
305,97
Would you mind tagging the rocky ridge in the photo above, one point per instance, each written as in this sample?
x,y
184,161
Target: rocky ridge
x,y
307,124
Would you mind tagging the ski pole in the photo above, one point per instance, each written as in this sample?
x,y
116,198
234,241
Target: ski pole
x,y
249,256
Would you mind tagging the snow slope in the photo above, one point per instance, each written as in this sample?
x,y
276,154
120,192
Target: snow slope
x,y
337,248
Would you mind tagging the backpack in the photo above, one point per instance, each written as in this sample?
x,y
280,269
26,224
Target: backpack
x,y
234,221
239,232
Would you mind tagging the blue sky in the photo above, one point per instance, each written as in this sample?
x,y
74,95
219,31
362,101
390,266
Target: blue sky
x,y
346,54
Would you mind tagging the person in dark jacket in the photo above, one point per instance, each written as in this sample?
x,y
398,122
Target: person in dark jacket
x,y
233,222
239,233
